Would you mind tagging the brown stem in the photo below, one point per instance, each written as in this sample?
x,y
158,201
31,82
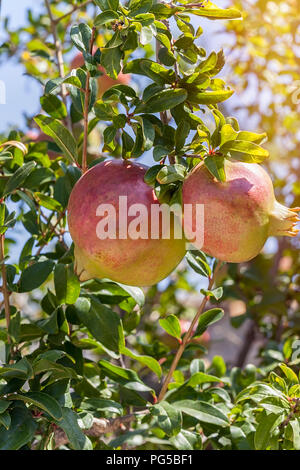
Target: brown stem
x,y
76,8
187,336
59,58
4,284
86,108
52,230
100,426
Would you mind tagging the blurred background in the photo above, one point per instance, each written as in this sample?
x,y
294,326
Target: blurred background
x,y
263,66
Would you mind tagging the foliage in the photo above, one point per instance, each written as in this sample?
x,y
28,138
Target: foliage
x,y
72,353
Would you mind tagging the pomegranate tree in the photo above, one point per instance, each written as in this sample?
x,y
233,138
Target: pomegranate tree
x,y
239,214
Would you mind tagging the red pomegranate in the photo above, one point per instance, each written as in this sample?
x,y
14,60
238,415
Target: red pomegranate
x,y
137,262
104,82
239,215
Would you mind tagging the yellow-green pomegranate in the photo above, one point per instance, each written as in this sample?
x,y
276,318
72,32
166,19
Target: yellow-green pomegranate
x,y
239,214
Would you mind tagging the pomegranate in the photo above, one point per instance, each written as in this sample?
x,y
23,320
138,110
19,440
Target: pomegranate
x,y
142,261
239,215
104,82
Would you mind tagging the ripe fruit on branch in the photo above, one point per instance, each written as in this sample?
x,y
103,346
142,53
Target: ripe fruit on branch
x,y
104,82
139,261
240,214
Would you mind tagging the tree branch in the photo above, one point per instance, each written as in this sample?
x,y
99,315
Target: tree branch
x,y
86,108
59,58
100,426
187,336
4,284
76,8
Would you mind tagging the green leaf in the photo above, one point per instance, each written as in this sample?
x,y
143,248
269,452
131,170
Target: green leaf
x,y
106,17
18,178
215,293
147,361
295,425
215,166
204,412
102,322
213,12
98,404
171,325
201,378
208,318
5,420
171,173
198,262
181,134
67,285
41,400
48,202
20,432
126,377
245,151
69,423
169,418
21,370
209,97
264,430
289,373
4,404
166,99
35,275
60,134
135,292
159,152
137,7
227,134
186,440
81,36
111,61
53,106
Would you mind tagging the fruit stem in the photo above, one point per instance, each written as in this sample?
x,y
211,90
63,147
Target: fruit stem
x,y
4,284
188,335
86,108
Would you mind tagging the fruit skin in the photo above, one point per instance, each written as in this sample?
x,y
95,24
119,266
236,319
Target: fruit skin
x,y
239,214
141,262
104,82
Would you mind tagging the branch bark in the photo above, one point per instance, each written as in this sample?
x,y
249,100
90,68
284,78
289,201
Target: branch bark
x,y
187,337
100,426
4,284
73,10
86,109
59,58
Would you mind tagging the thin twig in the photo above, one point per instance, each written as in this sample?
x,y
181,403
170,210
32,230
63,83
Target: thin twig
x,y
76,8
100,426
187,336
59,58
52,230
4,284
86,108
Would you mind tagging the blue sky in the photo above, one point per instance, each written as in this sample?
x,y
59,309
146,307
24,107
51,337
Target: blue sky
x,y
22,93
